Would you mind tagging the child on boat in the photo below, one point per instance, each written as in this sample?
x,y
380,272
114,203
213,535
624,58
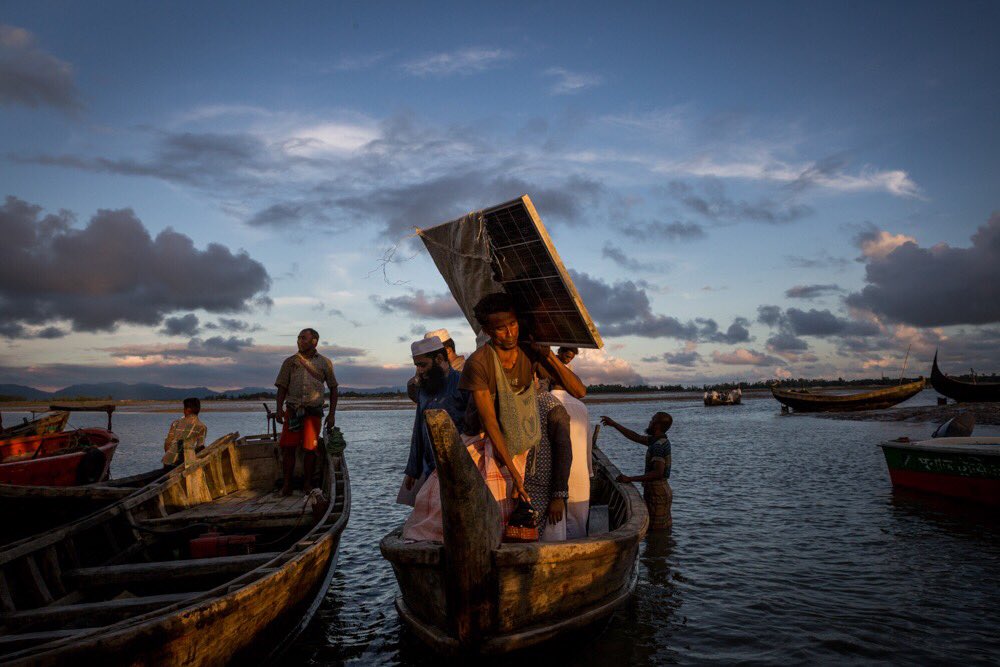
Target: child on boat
x,y
656,489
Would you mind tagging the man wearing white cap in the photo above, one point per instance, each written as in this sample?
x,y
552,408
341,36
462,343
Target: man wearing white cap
x,y
456,361
437,389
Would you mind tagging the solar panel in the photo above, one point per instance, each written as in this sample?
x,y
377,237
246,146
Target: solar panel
x,y
507,248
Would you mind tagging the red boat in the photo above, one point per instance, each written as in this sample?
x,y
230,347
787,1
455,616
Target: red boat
x,y
966,468
81,456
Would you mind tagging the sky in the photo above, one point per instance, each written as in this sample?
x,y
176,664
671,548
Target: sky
x,y
740,191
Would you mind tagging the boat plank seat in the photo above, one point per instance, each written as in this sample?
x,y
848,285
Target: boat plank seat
x,y
15,642
93,577
104,610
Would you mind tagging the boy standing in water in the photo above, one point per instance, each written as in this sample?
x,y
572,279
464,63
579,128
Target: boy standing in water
x,y
655,487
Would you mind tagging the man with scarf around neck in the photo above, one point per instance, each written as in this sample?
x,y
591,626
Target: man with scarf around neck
x,y
500,377
437,389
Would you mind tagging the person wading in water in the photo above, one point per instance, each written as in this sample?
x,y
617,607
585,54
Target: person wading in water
x,y
300,382
500,376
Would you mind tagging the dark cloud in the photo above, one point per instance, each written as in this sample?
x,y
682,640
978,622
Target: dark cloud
x,y
291,214
824,323
669,231
13,330
51,332
713,203
687,358
31,77
420,304
623,309
233,325
769,315
736,333
937,286
786,342
618,256
186,325
811,291
112,271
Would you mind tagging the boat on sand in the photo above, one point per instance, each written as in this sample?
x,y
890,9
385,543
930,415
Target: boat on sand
x,y
206,566
802,400
474,594
963,392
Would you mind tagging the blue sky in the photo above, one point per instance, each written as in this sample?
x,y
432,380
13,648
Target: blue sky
x,y
743,190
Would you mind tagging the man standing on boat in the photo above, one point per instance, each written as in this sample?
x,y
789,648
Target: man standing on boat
x,y
437,389
300,383
455,360
500,376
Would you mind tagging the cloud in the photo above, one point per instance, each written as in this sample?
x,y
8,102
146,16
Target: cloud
x,y
599,367
51,332
618,256
936,286
672,231
623,309
786,342
822,260
463,61
877,243
113,271
716,205
746,357
687,356
420,304
233,325
566,82
31,77
769,315
186,325
829,172
824,323
811,291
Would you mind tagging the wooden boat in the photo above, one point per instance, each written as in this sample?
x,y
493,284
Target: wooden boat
x,y
120,586
732,397
30,510
81,456
474,594
50,423
963,392
966,468
802,400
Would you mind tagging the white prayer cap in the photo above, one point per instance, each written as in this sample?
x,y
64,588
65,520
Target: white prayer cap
x,y
425,346
442,334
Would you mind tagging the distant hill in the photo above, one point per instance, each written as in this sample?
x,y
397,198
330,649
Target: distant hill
x,y
24,392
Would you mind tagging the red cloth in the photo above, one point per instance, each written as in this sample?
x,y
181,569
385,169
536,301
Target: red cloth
x,y
308,437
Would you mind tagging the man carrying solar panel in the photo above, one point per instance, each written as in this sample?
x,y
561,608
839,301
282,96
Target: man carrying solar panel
x,y
500,377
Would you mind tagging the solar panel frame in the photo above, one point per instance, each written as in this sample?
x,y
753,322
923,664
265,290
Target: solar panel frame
x,y
527,265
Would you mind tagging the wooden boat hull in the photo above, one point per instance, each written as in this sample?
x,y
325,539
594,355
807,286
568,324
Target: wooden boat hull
x,y
963,468
870,400
963,392
60,459
729,398
30,510
529,593
198,611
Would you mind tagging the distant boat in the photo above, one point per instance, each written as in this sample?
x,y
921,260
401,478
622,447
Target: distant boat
x,y
474,594
207,566
802,400
963,392
67,458
731,397
966,468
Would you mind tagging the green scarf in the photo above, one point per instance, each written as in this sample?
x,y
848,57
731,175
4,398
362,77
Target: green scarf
x,y
518,413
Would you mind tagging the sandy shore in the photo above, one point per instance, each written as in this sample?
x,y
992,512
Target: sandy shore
x,y
986,413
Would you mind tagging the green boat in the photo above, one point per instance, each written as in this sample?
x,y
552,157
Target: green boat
x,y
966,468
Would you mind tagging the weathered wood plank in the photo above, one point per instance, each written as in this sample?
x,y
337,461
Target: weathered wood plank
x,y
92,577
37,580
26,639
94,611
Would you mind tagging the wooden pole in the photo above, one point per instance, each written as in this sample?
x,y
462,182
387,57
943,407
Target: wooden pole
x,y
905,359
471,520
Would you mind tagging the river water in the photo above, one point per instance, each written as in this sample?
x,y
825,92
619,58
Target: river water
x,y
788,546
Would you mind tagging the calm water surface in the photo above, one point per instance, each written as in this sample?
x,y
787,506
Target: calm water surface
x,y
788,546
